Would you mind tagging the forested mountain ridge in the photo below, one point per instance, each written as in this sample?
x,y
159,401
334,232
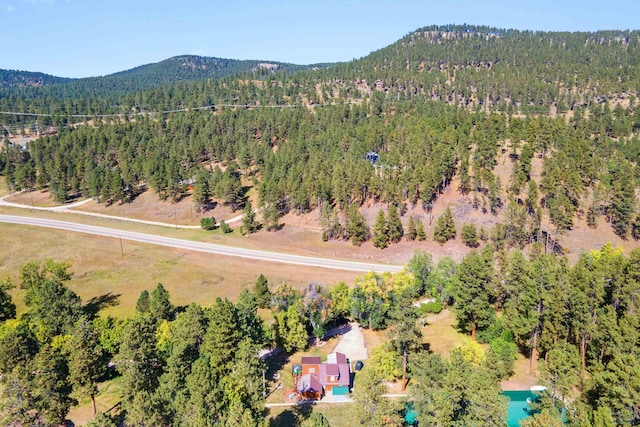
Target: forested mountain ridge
x,y
506,70
183,68
22,79
525,70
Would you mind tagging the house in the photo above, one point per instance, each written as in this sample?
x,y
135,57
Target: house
x,y
331,378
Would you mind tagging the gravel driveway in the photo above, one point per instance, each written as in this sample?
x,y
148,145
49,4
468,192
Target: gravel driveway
x,y
352,343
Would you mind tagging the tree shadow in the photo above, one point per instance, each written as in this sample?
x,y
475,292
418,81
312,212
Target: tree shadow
x,y
426,347
95,304
133,194
285,418
277,227
274,364
294,416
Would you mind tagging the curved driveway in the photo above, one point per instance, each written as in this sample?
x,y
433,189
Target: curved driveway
x,y
202,247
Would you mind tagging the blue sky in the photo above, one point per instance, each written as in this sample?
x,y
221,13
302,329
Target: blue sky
x,y
80,38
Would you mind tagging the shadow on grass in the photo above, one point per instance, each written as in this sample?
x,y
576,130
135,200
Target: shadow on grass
x,y
292,416
275,363
95,304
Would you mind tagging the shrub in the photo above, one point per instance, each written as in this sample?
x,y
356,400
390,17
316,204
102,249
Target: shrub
x,y
208,223
434,307
225,227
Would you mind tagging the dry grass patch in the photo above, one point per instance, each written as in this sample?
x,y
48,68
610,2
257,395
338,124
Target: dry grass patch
x,y
108,396
101,272
373,339
3,187
338,415
441,334
147,206
33,198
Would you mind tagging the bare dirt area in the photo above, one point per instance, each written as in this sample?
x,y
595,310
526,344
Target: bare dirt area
x,y
33,198
522,379
147,206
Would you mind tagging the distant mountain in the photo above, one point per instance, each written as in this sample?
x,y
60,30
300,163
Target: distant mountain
x,y
22,79
480,65
528,72
184,68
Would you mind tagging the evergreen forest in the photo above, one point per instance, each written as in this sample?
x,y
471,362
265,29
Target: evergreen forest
x,y
440,110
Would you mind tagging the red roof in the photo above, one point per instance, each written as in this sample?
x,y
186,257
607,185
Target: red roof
x,y
333,369
310,360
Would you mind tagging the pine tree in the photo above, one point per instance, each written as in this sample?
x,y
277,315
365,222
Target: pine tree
x,y
249,223
445,228
86,364
420,234
224,227
357,226
469,235
261,291
394,225
201,193
412,232
142,305
160,307
473,293
380,231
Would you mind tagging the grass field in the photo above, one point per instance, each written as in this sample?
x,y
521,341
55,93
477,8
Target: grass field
x,y
338,415
103,275
441,335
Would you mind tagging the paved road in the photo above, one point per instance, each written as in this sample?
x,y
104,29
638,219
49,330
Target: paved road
x,y
203,247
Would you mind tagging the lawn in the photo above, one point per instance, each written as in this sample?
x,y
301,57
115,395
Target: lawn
x,y
338,415
441,335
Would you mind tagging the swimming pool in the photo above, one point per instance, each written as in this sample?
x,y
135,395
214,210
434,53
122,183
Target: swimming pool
x,y
518,406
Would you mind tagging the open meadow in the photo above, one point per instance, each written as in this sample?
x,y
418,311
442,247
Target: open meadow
x,y
103,275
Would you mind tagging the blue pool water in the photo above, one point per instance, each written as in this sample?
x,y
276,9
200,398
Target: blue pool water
x,y
518,406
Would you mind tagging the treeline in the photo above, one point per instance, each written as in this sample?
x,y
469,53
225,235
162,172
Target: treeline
x,y
527,71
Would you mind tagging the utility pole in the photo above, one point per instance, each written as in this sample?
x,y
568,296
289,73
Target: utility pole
x,y
175,216
121,248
